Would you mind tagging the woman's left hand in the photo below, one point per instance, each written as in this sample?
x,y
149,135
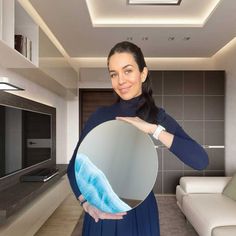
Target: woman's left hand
x,y
140,124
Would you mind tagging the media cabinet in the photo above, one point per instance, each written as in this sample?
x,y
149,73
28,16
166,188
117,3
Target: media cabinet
x,y
25,206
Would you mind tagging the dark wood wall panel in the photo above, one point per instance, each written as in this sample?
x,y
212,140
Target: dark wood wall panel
x,y
91,99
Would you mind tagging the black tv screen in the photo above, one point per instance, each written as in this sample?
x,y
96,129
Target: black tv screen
x,y
25,139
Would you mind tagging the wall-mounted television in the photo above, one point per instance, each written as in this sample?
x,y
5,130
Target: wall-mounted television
x,y
27,137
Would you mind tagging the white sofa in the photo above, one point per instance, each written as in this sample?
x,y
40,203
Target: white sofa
x,y
209,211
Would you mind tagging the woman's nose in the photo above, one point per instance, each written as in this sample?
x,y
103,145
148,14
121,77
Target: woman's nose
x,y
121,78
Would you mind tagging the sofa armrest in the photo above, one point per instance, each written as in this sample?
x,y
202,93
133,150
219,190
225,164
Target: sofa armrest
x,y
199,184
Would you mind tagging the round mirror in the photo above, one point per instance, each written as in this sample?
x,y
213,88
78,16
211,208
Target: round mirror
x,y
116,166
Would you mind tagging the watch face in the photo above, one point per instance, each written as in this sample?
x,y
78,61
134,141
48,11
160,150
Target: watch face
x,y
116,166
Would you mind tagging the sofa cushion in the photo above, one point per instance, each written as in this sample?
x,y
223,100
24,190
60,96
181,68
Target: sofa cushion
x,y
207,211
179,195
230,189
204,184
224,231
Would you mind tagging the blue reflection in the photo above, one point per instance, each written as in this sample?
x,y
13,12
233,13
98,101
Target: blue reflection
x,y
95,187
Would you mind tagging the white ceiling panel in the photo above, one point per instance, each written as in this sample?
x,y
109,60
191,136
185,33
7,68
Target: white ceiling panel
x,y
71,23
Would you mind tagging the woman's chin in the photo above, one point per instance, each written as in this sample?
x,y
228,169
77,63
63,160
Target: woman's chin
x,y
126,96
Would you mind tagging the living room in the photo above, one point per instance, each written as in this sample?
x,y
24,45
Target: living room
x,y
70,44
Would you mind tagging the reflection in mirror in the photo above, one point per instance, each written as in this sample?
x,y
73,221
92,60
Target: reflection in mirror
x,y
116,166
25,139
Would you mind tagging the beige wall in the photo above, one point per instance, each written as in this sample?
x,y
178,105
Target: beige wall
x,y
226,60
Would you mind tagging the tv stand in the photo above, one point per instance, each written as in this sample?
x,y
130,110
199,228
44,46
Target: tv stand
x,y
19,195
40,175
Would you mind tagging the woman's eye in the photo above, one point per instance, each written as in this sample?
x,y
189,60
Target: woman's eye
x,y
128,71
112,75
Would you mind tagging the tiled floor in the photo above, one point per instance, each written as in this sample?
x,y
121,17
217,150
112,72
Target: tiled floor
x,y
63,221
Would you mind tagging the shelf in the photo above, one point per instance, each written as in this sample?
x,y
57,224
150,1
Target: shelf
x,y
39,77
15,20
17,196
10,58
13,60
26,26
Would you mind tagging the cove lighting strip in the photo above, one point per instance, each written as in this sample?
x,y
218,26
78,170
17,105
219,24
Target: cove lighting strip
x,y
154,2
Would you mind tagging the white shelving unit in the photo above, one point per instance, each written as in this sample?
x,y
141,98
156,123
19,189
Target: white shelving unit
x,y
24,25
7,22
0,19
15,20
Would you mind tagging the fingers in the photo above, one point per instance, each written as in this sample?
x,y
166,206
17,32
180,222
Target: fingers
x,y
135,121
131,120
91,211
97,214
94,215
121,213
108,216
142,125
123,118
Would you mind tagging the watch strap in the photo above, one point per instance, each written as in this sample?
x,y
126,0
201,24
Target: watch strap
x,y
82,202
157,132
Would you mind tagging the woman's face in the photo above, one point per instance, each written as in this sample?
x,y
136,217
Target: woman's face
x,y
125,76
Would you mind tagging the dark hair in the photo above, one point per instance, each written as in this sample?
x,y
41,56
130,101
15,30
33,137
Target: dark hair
x,y
147,109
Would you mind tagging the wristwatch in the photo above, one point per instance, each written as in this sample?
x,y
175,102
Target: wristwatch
x,y
157,132
82,202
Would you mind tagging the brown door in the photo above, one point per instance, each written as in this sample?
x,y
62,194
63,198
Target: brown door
x,y
91,99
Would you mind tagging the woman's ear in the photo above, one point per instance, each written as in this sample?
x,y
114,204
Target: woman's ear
x,y
144,74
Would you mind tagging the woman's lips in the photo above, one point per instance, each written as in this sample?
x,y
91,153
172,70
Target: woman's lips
x,y
124,90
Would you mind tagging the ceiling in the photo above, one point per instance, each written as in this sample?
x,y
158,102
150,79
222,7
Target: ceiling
x,y
89,28
194,13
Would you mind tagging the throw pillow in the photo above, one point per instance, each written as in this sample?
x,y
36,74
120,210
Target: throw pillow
x,y
230,189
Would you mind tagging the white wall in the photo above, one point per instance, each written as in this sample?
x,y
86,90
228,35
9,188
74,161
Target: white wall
x,y
72,126
94,78
226,60
42,95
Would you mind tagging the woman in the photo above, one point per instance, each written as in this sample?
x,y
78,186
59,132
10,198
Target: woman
x,y
130,81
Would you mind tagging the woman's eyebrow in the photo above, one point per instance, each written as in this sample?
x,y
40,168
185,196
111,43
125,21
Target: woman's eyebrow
x,y
127,66
122,68
111,71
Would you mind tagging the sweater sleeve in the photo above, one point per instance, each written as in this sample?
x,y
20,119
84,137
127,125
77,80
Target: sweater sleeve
x,y
71,173
94,120
183,146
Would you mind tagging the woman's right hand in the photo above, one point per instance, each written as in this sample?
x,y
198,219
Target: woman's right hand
x,y
97,214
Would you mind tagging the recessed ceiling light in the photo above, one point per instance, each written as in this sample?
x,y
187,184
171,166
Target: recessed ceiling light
x,y
5,85
154,2
171,38
145,38
186,38
129,38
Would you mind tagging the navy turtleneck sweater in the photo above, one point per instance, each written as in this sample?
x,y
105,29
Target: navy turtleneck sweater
x,y
183,146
